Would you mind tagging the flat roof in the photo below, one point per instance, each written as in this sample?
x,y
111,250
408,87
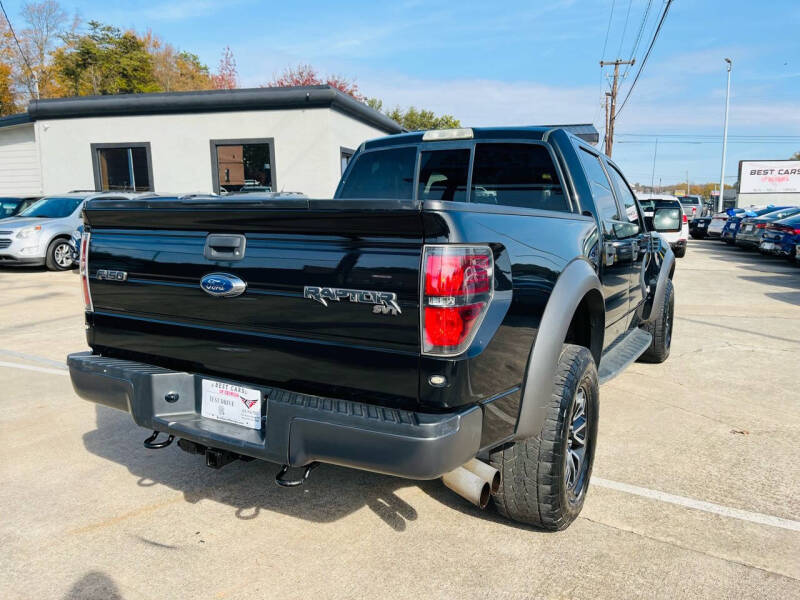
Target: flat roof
x,y
285,98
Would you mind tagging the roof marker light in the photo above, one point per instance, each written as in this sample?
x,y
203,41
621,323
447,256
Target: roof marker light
x,y
438,135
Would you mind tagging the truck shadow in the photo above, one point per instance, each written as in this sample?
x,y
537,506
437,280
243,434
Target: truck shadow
x,y
331,492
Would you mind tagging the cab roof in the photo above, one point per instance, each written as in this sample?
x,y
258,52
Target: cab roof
x,y
586,132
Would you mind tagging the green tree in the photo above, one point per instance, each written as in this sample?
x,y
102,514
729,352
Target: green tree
x,y
174,70
418,120
105,60
796,156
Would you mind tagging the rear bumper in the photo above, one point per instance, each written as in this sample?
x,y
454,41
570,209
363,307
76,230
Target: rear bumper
x,y
297,429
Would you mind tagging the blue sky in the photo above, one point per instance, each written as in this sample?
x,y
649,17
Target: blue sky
x,y
514,63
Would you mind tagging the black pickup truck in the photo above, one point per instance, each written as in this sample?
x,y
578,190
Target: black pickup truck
x,y
450,313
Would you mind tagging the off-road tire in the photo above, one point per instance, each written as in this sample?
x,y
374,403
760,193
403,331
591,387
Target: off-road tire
x,y
680,252
53,261
533,487
661,329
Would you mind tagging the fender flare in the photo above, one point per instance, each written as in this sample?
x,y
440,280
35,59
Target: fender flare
x,y
576,280
667,268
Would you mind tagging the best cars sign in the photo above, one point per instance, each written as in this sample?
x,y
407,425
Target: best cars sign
x,y
769,176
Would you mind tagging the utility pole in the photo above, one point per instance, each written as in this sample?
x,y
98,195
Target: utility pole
x,y
605,136
614,88
688,189
653,176
725,140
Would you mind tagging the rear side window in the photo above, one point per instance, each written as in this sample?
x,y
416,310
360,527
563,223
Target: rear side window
x,y
443,175
520,175
382,174
601,188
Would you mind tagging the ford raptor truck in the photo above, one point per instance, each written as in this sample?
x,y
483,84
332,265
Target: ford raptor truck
x,y
450,313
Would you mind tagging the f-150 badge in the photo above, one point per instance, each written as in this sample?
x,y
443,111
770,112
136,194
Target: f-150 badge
x,y
384,302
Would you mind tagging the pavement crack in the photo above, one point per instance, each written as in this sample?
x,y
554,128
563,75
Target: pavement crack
x,y
673,544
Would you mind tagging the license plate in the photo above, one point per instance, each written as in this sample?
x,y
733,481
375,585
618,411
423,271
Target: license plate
x,y
747,228
797,251
231,403
767,246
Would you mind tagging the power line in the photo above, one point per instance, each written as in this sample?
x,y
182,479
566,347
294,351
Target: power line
x,y
624,30
639,36
608,30
646,56
706,135
22,54
765,142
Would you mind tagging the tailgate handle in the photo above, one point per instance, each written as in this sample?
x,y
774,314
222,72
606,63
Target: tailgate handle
x,y
221,246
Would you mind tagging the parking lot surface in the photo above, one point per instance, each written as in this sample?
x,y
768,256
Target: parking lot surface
x,y
695,489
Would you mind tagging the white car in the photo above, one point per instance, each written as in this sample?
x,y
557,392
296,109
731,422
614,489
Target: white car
x,y
678,239
40,234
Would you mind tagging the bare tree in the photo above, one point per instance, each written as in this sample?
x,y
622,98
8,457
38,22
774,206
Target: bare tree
x,y
45,23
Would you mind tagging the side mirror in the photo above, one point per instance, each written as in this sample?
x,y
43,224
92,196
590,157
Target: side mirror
x,y
667,220
625,230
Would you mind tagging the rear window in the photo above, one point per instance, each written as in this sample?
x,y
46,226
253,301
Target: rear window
x,y
382,174
520,175
443,175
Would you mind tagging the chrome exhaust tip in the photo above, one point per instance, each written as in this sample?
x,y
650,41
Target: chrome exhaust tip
x,y
468,485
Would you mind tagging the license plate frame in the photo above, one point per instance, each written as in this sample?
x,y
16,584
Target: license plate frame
x,y
768,245
231,403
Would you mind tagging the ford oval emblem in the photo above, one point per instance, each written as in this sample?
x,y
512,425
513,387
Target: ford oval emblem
x,y
222,285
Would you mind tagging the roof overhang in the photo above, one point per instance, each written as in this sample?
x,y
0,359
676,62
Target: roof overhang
x,y
287,98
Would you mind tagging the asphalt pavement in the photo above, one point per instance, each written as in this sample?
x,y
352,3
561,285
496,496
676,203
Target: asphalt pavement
x,y
696,488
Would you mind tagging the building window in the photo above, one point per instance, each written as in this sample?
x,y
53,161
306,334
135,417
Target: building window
x,y
243,165
345,154
122,167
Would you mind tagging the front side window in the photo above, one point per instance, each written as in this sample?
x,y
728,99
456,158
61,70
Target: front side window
x,y
52,208
382,174
626,197
601,187
520,175
244,166
123,168
443,175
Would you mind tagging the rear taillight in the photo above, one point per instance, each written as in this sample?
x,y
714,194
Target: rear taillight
x,y
761,225
458,282
685,219
83,263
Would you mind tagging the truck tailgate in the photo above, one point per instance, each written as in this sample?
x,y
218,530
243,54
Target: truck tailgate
x,y
271,333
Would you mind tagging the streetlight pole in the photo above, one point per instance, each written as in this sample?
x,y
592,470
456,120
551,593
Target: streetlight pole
x,y
721,200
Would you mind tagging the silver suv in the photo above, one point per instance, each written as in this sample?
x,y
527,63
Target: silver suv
x,y
40,234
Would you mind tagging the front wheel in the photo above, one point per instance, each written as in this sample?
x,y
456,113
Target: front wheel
x,y
661,329
545,478
59,255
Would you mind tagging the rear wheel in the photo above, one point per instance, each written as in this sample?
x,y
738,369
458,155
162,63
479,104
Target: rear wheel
x,y
59,255
698,236
680,252
545,478
661,330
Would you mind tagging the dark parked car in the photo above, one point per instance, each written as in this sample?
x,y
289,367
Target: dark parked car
x,y
751,229
733,223
450,313
781,237
698,227
12,206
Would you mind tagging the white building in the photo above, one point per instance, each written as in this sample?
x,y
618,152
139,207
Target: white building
x,y
288,139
